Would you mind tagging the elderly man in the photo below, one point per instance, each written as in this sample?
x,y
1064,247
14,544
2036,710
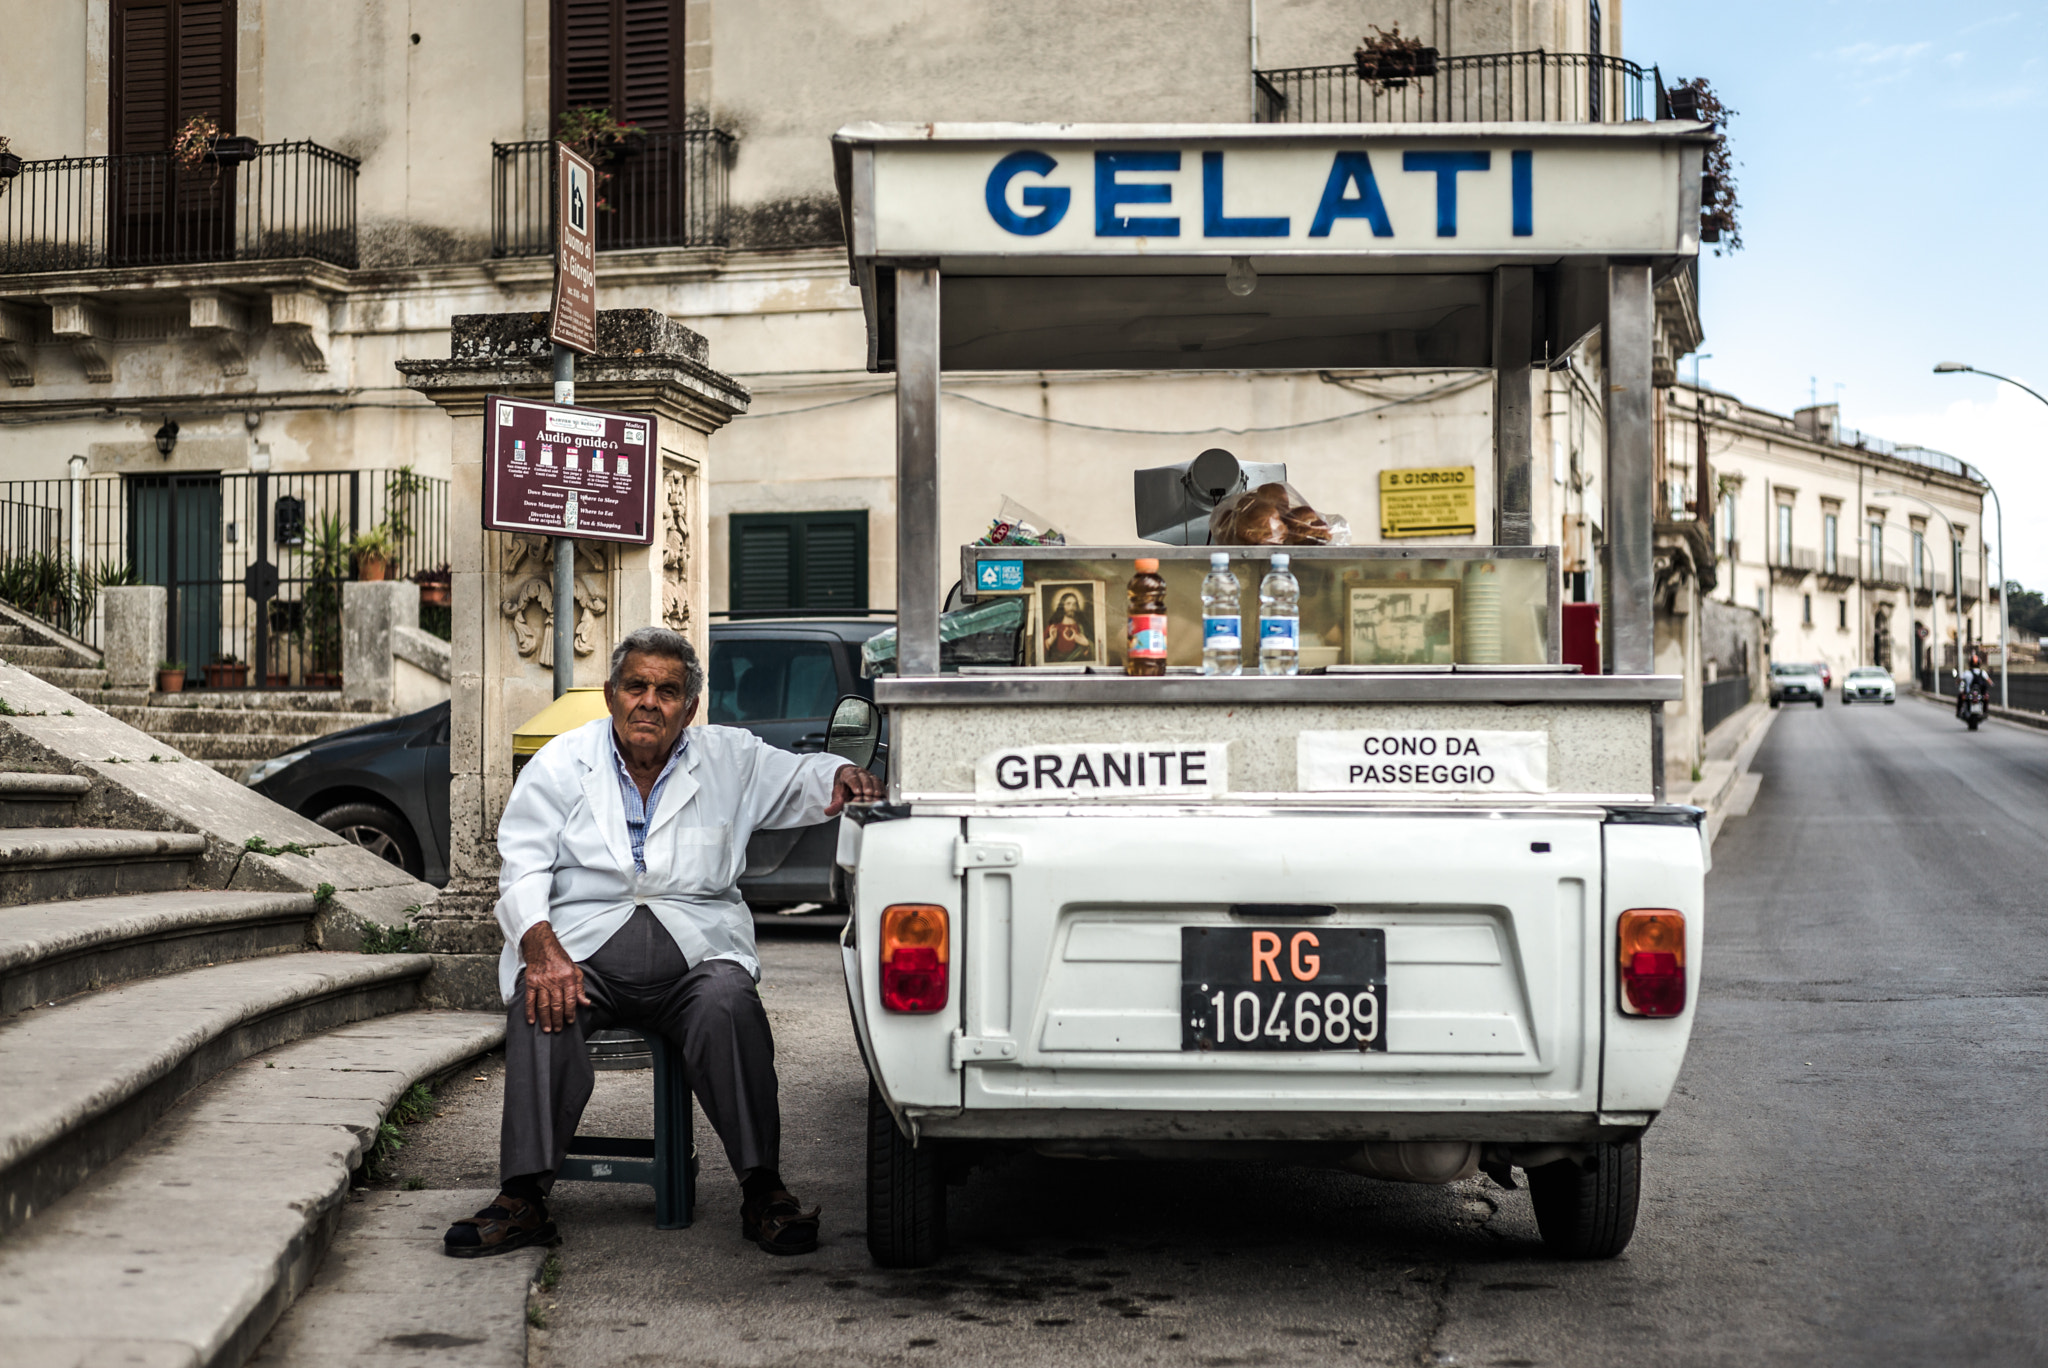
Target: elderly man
x,y
622,846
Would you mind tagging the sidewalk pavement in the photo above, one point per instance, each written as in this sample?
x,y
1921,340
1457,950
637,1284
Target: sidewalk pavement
x,y
1725,787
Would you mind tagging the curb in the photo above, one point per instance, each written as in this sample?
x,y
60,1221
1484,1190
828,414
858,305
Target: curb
x,y
1726,788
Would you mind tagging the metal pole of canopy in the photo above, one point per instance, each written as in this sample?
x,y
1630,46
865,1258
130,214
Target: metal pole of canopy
x,y
918,591
1514,338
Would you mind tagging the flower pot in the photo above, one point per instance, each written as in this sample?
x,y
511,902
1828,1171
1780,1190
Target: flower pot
x,y
323,679
227,676
434,595
232,151
371,567
170,681
10,166
277,681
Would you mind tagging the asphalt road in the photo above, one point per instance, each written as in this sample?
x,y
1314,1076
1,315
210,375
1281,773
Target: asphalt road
x,y
1855,1169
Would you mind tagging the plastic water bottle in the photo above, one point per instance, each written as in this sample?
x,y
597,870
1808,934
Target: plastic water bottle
x,y
1222,626
1279,620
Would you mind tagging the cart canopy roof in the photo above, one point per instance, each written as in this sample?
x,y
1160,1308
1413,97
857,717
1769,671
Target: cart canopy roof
x,y
1108,246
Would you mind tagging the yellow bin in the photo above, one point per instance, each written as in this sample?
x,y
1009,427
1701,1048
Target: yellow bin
x,y
566,713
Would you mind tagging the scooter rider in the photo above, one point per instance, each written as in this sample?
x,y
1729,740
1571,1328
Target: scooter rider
x,y
1974,683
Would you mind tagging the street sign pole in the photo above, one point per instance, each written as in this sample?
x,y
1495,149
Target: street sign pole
x,y
572,328
565,549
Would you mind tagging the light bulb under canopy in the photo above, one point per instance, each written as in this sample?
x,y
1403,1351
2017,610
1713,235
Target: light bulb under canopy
x,y
1241,279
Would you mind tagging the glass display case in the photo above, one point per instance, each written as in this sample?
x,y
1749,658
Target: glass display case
x,y
1363,608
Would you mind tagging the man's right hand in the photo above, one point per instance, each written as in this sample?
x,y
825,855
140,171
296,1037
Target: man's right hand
x,y
554,982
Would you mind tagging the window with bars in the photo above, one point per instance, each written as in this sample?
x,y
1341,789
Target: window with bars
x,y
790,563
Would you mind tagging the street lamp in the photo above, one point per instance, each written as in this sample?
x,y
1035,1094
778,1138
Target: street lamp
x,y
2004,625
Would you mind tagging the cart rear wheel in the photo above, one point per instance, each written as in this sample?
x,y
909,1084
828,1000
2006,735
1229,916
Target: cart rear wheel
x,y
906,1193
1586,1209
1973,724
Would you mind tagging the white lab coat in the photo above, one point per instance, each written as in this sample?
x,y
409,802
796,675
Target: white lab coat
x,y
568,858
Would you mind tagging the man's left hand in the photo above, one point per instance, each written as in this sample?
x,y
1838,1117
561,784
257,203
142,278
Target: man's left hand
x,y
853,785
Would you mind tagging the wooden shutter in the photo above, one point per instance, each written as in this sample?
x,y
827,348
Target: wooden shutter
x,y
799,563
621,55
172,59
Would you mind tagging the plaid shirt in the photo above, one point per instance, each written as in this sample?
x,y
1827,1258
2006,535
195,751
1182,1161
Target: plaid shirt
x,y
629,792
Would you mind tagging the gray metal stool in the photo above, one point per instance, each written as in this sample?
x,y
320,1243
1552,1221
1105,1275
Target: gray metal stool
x,y
667,1163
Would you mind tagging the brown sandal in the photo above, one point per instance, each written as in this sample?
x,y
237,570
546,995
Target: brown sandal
x,y
508,1223
779,1225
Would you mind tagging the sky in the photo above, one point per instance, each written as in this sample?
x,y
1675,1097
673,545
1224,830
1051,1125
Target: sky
x,y
1894,210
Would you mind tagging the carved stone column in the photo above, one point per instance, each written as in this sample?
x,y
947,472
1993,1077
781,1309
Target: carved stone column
x,y
502,647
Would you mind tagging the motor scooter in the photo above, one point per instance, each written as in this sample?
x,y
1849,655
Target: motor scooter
x,y
1973,704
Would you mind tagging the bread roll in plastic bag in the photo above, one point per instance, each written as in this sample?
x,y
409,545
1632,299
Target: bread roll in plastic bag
x,y
1271,515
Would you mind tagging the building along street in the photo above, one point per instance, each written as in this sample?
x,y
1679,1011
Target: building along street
x,y
1849,1172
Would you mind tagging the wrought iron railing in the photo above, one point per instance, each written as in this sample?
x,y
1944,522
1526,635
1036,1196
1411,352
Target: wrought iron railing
x,y
1499,87
253,561
660,190
1721,699
85,213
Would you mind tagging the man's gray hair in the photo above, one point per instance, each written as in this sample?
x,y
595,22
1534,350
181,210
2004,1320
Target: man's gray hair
x,y
660,641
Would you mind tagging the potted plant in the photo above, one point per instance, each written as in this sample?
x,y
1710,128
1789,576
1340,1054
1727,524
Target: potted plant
x,y
226,672
602,140
320,606
434,586
287,635
10,164
1386,57
170,676
230,149
372,551
189,145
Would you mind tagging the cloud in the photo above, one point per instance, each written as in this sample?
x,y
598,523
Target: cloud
x,y
1880,54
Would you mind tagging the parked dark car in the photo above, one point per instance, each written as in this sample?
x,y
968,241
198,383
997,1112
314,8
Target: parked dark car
x,y
383,785
778,678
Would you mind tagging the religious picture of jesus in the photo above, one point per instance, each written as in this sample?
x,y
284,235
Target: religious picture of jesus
x,y
1070,617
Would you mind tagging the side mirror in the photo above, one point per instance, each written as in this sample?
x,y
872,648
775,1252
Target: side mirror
x,y
855,731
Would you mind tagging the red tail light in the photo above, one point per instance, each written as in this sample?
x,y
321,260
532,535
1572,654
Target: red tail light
x,y
1653,962
915,976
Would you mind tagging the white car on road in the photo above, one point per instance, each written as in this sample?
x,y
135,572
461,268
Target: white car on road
x,y
1868,684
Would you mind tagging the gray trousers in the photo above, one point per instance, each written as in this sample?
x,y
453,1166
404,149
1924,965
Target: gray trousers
x,y
638,978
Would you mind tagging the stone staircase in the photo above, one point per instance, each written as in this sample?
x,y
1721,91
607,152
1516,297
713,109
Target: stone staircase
x,y
225,729
189,1081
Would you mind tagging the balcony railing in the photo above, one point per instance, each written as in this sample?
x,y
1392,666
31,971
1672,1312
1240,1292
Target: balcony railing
x,y
292,200
1500,87
663,190
1793,562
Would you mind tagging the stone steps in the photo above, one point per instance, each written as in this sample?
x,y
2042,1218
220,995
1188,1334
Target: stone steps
x,y
42,864
78,681
40,800
188,1247
36,657
53,950
171,723
85,1078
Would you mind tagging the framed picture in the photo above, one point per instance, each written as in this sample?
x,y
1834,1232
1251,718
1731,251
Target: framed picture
x,y
1402,622
1071,623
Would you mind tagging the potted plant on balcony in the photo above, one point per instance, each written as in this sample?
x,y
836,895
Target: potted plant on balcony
x,y
602,140
1390,60
170,676
226,672
434,586
1719,223
372,551
10,164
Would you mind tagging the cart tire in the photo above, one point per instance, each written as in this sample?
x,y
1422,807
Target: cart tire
x,y
1973,724
1820,702
1774,702
1586,1209
906,1193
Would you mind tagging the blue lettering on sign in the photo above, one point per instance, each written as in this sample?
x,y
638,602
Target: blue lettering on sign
x,y
1215,223
1349,169
1521,169
999,575
1446,166
1110,192
1050,201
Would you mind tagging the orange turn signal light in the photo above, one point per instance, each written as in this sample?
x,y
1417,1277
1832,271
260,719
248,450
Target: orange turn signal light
x,y
1652,949
916,954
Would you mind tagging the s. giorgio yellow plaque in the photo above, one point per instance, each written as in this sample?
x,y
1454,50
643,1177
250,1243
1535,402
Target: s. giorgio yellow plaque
x,y
1438,502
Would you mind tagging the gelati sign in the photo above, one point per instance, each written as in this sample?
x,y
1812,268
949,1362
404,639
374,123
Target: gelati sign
x,y
572,319
1534,195
561,470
